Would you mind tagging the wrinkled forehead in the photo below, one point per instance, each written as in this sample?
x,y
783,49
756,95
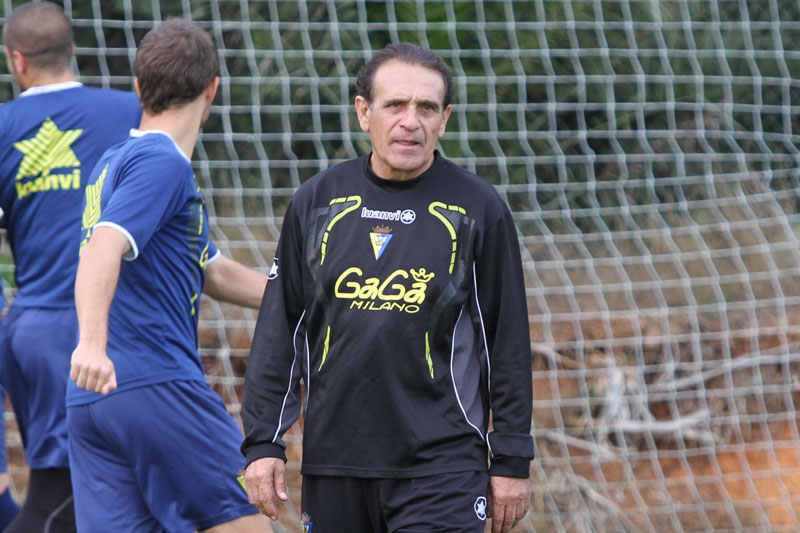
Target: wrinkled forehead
x,y
398,79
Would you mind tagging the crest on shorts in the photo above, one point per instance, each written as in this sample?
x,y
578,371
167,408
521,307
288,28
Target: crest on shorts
x,y
480,507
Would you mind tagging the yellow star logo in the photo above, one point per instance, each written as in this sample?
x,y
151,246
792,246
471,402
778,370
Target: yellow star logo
x,y
51,148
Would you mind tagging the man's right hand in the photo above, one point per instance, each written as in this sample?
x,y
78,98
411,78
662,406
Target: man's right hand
x,y
91,369
264,479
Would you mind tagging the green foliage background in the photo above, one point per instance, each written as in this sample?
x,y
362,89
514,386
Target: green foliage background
x,y
676,69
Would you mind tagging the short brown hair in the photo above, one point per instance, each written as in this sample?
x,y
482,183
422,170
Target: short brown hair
x,y
42,33
406,53
175,63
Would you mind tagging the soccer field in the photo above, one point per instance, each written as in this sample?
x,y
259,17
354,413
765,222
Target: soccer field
x,y
648,150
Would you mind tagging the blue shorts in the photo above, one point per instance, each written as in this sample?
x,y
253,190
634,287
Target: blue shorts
x,y
35,349
162,457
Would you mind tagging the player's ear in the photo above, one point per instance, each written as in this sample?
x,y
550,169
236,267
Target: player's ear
x,y
17,63
211,90
362,110
446,114
136,87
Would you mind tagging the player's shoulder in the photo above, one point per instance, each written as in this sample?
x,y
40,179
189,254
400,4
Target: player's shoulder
x,y
7,109
110,104
468,183
110,94
468,190
338,171
335,177
153,151
15,116
156,142
108,100
148,159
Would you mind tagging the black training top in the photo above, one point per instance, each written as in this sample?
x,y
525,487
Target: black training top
x,y
401,306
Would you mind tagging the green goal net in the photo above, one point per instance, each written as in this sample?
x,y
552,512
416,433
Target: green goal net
x,y
648,151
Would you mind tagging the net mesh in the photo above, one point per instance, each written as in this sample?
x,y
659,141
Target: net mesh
x,y
648,152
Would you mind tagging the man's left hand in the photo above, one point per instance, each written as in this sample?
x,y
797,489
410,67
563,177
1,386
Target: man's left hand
x,y
509,500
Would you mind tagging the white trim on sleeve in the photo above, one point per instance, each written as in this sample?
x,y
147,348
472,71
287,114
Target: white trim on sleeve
x,y
214,257
134,252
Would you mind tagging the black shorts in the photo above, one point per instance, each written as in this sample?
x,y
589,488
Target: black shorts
x,y
444,502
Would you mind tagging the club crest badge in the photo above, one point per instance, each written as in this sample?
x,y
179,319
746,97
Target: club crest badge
x,y
380,237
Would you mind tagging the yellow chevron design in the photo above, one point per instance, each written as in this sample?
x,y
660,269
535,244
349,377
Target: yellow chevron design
x,y
357,200
325,348
432,209
92,210
50,148
428,354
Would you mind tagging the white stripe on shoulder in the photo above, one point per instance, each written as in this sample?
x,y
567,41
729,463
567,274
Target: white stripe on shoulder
x,y
50,88
141,133
134,251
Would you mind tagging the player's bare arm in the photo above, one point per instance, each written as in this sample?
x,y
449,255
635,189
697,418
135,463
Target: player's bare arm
x,y
230,281
95,283
264,479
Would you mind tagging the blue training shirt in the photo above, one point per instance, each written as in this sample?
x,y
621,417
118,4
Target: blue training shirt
x,y
50,139
145,189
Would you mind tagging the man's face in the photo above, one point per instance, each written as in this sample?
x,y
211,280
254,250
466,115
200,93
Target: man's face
x,y
405,119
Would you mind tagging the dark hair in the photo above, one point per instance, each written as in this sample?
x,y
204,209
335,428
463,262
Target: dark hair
x,y
42,33
175,63
407,53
